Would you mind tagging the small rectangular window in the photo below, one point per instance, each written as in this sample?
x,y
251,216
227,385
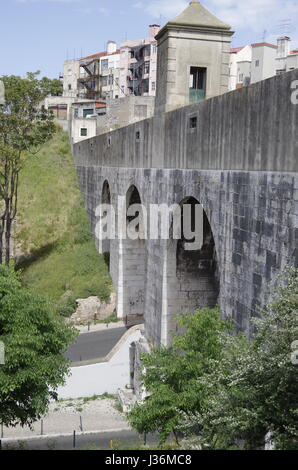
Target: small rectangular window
x,y
147,68
257,63
104,64
104,81
193,122
197,84
87,112
153,86
138,135
84,132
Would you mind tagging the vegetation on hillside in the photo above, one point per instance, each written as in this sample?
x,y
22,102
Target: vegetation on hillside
x,y
24,127
53,230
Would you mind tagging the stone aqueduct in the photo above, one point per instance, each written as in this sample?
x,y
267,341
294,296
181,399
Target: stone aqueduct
x,y
237,154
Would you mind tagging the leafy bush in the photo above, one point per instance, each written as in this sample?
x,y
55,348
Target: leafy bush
x,y
35,340
68,308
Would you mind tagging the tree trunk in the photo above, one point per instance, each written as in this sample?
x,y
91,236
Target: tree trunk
x,y
1,245
7,240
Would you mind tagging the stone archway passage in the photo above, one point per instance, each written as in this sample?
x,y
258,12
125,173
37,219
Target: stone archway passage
x,y
106,243
193,275
134,268
197,271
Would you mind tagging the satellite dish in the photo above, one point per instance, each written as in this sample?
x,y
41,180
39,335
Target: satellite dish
x,y
2,94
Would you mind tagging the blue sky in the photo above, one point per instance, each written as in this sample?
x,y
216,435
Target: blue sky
x,y
41,34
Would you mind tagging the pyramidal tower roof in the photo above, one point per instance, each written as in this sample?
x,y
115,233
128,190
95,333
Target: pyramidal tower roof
x,y
195,15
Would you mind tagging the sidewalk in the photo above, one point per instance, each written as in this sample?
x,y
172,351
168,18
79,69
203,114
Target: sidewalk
x,y
99,327
64,418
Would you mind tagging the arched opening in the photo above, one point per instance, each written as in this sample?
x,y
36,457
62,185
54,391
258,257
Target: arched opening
x,y
134,260
106,242
195,274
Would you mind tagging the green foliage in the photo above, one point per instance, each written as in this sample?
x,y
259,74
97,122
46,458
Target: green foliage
x,y
52,87
53,230
35,340
254,389
68,307
24,127
235,391
174,376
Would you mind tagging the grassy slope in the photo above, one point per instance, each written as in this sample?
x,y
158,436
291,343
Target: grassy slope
x,y
53,227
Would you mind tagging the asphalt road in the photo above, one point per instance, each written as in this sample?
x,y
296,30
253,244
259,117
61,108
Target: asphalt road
x,y
95,345
83,442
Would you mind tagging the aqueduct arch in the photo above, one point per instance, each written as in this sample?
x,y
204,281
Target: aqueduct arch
x,y
193,275
134,260
106,199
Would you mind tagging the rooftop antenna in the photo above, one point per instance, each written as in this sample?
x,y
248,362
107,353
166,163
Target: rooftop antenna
x,y
264,35
284,27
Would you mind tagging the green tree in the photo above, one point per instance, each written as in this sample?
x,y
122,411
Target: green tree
x,y
175,376
52,87
24,126
35,340
254,389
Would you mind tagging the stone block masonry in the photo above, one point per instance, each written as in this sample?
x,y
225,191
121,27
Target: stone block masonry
x,y
241,164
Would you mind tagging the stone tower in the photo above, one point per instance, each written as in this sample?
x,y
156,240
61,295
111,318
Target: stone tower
x,y
193,58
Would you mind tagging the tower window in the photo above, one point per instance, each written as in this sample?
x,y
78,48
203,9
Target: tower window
x,y
197,83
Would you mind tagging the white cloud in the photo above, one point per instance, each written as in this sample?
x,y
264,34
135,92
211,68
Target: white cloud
x,y
258,16
165,8
254,15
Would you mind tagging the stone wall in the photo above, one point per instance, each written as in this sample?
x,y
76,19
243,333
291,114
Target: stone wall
x,y
240,162
250,129
254,221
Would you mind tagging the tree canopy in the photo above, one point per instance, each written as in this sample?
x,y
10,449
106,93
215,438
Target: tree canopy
x,y
35,339
174,376
235,391
24,126
254,388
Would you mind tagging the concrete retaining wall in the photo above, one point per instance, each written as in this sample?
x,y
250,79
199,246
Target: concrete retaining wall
x,y
103,377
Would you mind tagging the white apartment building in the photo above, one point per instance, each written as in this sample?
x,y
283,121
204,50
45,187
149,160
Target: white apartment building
x,y
71,75
263,64
116,73
138,64
93,77
252,64
240,61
